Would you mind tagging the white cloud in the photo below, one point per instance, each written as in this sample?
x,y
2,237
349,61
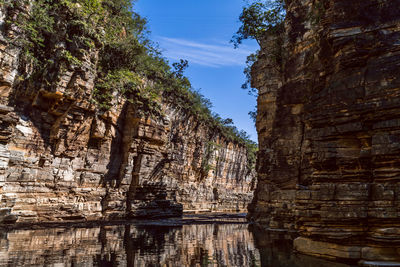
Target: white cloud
x,y
211,55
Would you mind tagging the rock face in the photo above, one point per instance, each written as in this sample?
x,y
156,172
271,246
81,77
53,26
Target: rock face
x,y
329,129
63,160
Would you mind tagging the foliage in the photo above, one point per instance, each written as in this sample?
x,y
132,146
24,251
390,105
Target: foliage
x,y
48,43
253,115
209,150
63,34
70,58
179,68
258,18
130,85
252,149
251,59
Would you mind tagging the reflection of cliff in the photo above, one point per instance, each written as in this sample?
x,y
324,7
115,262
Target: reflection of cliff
x,y
276,249
188,245
62,158
328,124
156,245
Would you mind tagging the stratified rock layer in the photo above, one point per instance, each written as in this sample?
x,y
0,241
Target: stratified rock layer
x,y
63,160
329,129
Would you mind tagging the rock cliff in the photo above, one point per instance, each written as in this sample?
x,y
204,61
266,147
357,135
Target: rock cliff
x,y
64,158
328,125
131,245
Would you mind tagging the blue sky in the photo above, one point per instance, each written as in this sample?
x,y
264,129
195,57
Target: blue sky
x,y
199,31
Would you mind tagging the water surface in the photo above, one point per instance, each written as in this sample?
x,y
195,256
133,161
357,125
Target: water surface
x,y
191,241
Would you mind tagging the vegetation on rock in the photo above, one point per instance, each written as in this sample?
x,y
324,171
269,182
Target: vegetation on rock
x,y
61,34
258,19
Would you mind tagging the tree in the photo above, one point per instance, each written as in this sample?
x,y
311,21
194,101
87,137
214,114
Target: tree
x,y
253,115
251,59
259,17
227,121
180,67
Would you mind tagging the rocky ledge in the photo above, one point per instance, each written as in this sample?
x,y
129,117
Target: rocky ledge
x,y
63,159
329,131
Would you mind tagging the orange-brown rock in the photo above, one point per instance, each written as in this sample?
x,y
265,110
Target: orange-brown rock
x,y
61,159
329,132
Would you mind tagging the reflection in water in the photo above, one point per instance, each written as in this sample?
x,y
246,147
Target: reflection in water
x,y
276,249
131,245
154,244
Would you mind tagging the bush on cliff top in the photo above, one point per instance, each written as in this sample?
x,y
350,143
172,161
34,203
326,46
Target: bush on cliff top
x,y
62,33
259,18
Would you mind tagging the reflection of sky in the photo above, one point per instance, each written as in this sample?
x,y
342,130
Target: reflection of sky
x,y
200,31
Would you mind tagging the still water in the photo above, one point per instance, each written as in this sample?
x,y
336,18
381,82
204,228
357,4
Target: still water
x,y
190,241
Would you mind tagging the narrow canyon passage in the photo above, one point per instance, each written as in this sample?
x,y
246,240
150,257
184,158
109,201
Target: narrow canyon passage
x,y
110,156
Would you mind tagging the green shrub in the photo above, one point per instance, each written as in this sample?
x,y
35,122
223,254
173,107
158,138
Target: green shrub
x,y
259,18
129,65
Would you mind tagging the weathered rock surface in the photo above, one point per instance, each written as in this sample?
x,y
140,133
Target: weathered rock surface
x,y
328,124
63,160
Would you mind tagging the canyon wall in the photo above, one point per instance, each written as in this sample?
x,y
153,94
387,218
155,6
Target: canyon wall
x,y
63,159
329,132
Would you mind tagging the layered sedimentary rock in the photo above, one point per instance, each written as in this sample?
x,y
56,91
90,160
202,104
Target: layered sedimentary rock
x,y
131,245
62,159
328,124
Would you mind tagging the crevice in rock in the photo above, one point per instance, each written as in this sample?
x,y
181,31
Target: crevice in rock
x,y
121,144
137,163
300,167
